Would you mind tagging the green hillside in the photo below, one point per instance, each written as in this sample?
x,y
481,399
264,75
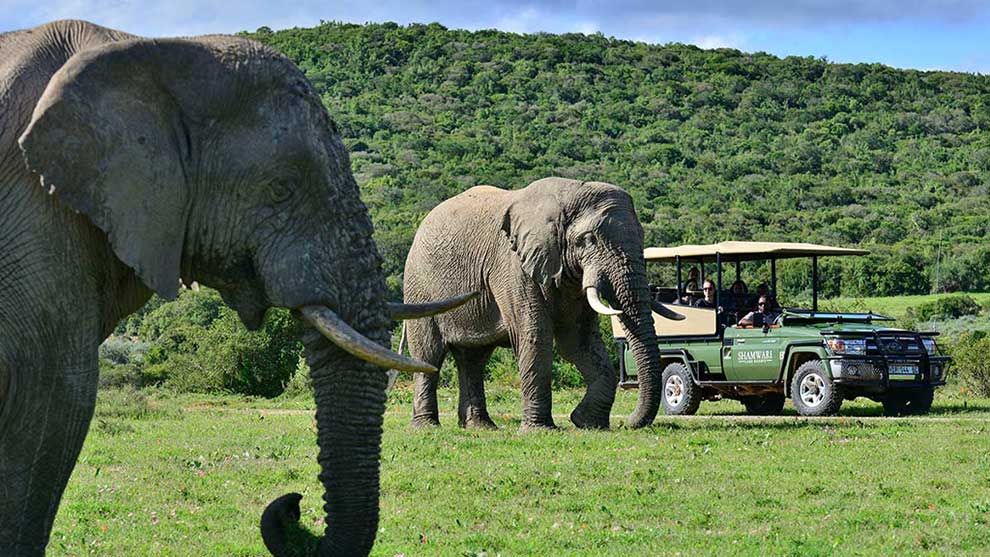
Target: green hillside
x,y
713,144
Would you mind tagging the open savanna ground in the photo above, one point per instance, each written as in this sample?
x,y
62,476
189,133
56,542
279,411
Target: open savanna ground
x,y
191,475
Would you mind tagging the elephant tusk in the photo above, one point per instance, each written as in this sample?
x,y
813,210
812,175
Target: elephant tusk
x,y
598,304
344,336
664,311
401,312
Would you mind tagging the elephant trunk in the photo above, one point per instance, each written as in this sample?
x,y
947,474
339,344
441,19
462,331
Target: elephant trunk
x,y
350,402
632,293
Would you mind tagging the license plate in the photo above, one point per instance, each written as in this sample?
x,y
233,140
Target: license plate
x,y
903,369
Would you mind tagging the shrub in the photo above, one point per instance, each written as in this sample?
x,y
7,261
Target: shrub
x,y
122,350
300,384
946,307
197,344
971,362
120,375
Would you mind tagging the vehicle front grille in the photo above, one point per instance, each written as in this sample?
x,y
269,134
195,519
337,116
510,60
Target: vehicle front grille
x,y
894,344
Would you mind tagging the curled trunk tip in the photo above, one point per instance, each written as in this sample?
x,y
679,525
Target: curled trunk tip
x,y
279,514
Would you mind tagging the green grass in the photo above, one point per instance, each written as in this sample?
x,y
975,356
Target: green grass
x,y
191,475
894,306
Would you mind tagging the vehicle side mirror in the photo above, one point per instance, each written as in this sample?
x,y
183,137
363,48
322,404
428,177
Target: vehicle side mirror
x,y
766,328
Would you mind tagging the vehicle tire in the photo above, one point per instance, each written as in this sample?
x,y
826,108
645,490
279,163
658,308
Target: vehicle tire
x,y
813,392
767,405
681,395
908,403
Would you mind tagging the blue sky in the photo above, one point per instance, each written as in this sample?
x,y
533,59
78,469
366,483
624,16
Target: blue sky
x,y
946,34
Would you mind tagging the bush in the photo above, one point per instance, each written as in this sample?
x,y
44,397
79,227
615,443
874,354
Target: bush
x,y
971,362
947,307
197,344
122,350
300,384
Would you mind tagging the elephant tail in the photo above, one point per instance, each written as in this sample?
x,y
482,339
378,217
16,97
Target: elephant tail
x,y
393,374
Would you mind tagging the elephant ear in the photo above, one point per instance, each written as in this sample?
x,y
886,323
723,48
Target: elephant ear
x,y
108,140
533,227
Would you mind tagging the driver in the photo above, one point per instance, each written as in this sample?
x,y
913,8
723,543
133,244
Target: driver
x,y
765,309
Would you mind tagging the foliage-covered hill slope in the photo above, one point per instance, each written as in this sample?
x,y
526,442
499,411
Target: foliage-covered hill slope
x,y
713,144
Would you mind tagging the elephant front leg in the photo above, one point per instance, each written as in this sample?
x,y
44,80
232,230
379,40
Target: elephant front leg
x,y
472,408
587,352
42,428
534,353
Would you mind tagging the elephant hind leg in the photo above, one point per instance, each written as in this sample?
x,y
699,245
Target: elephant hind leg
x,y
425,344
472,408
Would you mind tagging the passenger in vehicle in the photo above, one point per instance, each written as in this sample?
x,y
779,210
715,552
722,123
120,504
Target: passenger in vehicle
x,y
735,301
691,284
765,313
708,301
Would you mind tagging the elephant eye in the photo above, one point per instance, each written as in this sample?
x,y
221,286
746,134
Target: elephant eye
x,y
279,192
587,239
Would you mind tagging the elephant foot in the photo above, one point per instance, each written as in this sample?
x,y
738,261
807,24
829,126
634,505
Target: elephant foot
x,y
583,421
18,550
478,422
538,426
426,422
639,419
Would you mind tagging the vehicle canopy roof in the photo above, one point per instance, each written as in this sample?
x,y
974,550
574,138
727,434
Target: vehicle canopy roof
x,y
745,251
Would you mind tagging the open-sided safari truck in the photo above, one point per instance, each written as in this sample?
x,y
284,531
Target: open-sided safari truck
x,y
818,358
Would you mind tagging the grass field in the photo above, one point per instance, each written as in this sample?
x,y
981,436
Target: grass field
x,y
191,475
894,306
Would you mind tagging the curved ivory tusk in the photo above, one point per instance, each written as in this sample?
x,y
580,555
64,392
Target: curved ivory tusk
x,y
344,336
598,304
400,312
664,311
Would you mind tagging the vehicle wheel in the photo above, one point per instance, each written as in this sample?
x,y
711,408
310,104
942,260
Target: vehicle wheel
x,y
813,392
763,405
908,403
681,395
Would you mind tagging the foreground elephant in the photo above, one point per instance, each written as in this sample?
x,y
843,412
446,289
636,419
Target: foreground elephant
x,y
209,159
542,258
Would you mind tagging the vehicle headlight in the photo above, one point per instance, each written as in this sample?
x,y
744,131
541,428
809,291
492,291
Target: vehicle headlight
x,y
856,346
929,343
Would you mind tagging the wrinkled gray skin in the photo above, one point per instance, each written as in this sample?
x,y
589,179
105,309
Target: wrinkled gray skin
x,y
532,253
128,163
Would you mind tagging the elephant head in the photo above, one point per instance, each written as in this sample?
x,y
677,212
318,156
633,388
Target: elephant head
x,y
572,234
213,160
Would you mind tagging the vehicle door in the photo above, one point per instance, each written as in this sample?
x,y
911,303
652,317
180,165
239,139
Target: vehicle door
x,y
752,353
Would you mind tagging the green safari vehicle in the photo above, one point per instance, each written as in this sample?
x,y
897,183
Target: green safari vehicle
x,y
817,358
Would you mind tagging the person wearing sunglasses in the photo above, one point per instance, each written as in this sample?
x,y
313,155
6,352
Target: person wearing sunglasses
x,y
765,313
708,289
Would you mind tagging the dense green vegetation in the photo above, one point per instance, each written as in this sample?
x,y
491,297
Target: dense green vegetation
x,y
191,475
712,144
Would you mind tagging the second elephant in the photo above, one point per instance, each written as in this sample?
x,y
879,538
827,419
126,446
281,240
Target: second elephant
x,y
547,259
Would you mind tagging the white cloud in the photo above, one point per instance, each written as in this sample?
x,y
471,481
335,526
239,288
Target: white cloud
x,y
733,40
526,21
